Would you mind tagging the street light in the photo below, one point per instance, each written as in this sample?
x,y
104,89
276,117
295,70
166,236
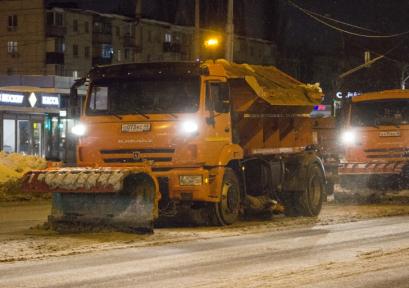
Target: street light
x,y
211,46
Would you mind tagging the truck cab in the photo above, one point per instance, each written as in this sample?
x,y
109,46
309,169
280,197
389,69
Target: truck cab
x,y
377,139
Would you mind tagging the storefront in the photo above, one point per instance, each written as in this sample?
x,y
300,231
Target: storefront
x,y
33,121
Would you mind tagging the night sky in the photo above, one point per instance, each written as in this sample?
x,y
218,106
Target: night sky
x,y
294,32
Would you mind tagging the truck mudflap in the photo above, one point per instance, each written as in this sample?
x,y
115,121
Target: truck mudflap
x,y
126,199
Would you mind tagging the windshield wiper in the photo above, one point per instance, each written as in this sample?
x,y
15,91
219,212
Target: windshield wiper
x,y
134,112
176,117
117,116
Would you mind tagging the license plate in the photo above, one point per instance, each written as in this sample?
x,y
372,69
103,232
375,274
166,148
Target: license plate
x,y
142,127
390,134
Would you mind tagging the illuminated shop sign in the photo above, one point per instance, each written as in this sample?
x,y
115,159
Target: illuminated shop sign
x,y
50,100
348,95
322,108
11,98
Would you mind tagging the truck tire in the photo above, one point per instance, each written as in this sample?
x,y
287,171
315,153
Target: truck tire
x,y
227,210
309,202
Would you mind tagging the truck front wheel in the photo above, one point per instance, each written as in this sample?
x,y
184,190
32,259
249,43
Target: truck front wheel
x,y
227,210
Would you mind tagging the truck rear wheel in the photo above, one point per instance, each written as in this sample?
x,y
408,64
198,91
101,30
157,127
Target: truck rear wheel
x,y
309,202
227,210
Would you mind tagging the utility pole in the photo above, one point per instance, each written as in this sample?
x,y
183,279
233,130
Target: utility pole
x,y
138,31
230,32
197,31
403,80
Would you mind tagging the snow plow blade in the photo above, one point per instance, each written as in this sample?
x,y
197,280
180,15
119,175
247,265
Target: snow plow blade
x,y
126,200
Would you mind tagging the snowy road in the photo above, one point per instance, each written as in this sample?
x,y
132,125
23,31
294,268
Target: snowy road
x,y
371,253
346,246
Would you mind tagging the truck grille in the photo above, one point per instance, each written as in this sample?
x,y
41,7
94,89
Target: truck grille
x,y
126,155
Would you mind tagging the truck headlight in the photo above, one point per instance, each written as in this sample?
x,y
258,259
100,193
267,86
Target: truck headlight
x,y
79,129
190,180
348,137
189,126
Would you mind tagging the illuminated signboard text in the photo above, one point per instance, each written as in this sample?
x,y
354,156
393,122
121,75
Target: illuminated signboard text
x,y
349,95
50,100
10,98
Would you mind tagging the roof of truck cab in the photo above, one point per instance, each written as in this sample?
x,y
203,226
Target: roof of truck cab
x,y
148,69
273,85
269,83
387,94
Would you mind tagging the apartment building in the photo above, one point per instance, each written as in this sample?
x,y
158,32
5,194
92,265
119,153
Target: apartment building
x,y
44,49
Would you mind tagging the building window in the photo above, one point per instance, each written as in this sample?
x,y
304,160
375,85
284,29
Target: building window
x,y
86,25
129,31
11,71
118,31
119,56
59,45
274,51
100,27
11,47
149,36
75,50
59,70
55,19
148,58
12,22
168,37
129,54
74,73
86,52
251,50
97,27
107,51
176,37
243,46
75,25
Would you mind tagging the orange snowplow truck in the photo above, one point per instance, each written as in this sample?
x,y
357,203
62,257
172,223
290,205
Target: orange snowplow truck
x,y
377,143
163,139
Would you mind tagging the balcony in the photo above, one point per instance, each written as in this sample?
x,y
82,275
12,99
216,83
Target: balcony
x,y
101,38
54,58
169,47
129,41
55,31
101,61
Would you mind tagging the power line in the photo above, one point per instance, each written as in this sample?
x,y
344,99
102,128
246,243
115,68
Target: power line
x,y
342,30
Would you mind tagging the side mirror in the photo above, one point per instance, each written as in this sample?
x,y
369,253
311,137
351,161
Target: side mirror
x,y
75,110
224,91
222,107
73,91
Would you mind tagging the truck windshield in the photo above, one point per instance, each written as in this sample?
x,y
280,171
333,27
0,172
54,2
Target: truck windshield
x,y
384,112
143,96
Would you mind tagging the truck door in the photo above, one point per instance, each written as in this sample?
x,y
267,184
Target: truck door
x,y
218,125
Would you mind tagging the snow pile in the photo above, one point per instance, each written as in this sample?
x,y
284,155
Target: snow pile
x,y
12,168
313,88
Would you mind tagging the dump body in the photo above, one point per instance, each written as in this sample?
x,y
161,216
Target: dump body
x,y
193,128
377,141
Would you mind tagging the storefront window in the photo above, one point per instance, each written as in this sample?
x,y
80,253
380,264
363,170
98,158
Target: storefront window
x,y
37,137
9,135
55,138
23,136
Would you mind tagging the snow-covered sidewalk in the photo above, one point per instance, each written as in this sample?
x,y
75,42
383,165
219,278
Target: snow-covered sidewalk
x,y
12,168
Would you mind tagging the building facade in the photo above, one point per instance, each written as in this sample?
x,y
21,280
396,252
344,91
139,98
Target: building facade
x,y
46,48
